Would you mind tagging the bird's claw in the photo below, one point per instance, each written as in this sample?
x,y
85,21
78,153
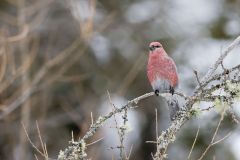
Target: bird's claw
x,y
171,90
156,92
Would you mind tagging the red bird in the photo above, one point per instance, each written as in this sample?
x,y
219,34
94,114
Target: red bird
x,y
161,70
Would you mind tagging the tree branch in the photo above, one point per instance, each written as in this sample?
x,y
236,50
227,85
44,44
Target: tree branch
x,y
76,150
211,71
168,136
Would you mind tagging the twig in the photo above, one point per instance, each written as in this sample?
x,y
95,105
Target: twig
x,y
121,146
38,77
220,140
130,152
89,144
218,76
156,123
35,156
152,142
122,132
223,66
209,108
214,143
23,34
34,146
30,141
41,141
15,104
214,135
199,83
194,142
79,145
92,118
210,72
98,123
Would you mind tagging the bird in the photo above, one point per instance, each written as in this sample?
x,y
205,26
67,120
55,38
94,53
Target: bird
x,y
162,75
161,70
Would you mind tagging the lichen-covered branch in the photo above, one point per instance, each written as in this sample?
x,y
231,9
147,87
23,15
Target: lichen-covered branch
x,y
211,71
76,149
100,121
228,81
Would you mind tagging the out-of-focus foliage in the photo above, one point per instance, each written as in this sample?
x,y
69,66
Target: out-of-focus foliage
x,y
58,59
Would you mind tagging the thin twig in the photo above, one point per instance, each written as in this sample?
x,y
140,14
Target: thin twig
x,y
92,118
220,140
30,141
156,123
39,76
119,129
35,156
44,153
98,123
89,144
209,108
194,142
151,142
197,77
233,45
41,141
214,135
130,152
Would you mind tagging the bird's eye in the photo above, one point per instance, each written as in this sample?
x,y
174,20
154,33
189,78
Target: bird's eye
x,y
151,48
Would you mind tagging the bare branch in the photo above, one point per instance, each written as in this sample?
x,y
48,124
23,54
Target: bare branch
x,y
194,142
120,129
214,135
98,123
168,136
44,153
89,144
41,141
210,72
156,114
197,77
130,152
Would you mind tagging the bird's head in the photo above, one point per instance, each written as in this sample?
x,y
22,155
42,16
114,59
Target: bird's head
x,y
154,45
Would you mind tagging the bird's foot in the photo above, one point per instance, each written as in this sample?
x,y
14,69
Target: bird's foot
x,y
156,92
171,90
